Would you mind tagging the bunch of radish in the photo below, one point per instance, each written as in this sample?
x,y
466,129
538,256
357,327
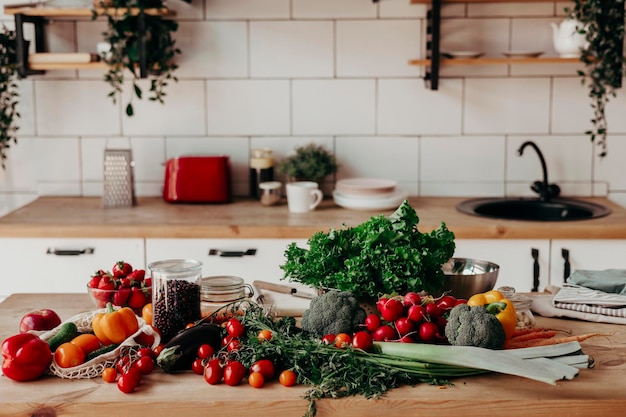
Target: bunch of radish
x,y
411,318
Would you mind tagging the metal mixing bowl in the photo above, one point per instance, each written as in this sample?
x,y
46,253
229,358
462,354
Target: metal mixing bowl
x,y
465,277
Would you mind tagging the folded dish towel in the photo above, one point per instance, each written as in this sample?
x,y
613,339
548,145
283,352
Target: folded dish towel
x,y
587,300
608,280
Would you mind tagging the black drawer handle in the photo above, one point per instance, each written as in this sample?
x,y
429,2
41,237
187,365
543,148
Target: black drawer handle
x,y
70,252
566,264
535,254
231,254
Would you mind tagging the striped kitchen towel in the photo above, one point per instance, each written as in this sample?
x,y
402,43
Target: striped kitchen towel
x,y
588,300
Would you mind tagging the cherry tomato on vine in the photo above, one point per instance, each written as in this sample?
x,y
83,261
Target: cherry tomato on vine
x,y
233,373
158,349
145,351
205,351
287,378
256,379
109,374
129,381
264,335
234,327
265,367
342,340
233,345
144,365
363,340
197,366
213,371
328,339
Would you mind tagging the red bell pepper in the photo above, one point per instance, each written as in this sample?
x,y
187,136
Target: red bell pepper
x,y
26,357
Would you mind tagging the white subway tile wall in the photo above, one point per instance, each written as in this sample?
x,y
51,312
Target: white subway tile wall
x,y
283,73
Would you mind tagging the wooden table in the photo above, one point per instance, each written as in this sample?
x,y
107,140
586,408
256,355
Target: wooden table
x,y
600,391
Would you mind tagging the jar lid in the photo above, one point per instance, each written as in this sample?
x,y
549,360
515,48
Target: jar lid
x,y
270,185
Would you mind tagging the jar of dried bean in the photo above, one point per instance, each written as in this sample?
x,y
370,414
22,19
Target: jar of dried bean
x,y
175,295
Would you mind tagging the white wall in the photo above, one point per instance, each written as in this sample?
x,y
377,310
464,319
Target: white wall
x,y
281,73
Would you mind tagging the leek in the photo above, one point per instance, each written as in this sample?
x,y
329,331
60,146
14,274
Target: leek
x,y
500,361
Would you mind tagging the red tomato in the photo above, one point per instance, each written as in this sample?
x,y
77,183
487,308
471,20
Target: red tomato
x,y
362,340
234,373
265,367
372,322
328,339
145,351
129,381
287,378
205,351
234,327
233,345
213,371
343,340
197,366
144,365
256,379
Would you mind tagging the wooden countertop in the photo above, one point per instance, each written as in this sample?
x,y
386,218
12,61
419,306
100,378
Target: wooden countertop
x,y
594,392
246,218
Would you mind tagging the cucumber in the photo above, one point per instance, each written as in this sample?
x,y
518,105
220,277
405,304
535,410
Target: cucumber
x,y
66,333
101,351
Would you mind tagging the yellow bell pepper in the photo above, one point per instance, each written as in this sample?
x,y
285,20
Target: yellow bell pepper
x,y
114,326
500,306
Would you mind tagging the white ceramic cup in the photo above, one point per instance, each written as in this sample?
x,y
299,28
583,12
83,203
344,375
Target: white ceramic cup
x,y
303,196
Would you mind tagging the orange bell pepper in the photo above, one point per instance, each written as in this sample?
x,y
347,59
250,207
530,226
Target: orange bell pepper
x,y
114,326
498,305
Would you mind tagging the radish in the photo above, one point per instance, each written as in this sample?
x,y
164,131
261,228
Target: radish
x,y
384,333
372,322
412,298
417,313
392,309
404,326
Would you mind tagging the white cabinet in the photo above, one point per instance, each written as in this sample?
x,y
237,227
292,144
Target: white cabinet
x,y
570,255
524,263
61,264
250,259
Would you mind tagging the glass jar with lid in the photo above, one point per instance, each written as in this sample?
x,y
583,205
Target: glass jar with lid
x,y
522,304
175,295
220,290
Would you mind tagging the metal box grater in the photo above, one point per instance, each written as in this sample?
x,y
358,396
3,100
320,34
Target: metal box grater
x,y
119,185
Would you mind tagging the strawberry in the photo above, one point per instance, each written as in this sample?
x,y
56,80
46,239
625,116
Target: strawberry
x,y
106,283
121,269
137,299
94,281
121,296
137,275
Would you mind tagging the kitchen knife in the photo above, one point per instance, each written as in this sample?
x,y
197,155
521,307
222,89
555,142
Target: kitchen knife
x,y
284,289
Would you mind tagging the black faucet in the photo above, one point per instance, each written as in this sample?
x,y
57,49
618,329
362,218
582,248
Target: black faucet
x,y
545,190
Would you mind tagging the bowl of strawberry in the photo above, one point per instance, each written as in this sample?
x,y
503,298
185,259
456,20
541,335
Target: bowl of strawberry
x,y
123,286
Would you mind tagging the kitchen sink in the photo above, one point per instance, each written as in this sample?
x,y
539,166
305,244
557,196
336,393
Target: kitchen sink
x,y
533,209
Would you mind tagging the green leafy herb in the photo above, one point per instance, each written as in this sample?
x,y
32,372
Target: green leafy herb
x,y
8,91
380,256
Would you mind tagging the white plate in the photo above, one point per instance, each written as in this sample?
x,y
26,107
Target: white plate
x,y
522,54
462,54
392,201
365,186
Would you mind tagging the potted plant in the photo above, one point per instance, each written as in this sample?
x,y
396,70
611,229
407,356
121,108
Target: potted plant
x,y
311,162
603,25
8,91
132,32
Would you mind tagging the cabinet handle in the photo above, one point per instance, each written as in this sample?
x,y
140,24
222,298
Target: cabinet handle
x,y
70,252
566,264
231,254
535,254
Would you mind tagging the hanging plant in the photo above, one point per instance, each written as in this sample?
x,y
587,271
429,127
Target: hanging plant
x,y
603,26
127,28
8,92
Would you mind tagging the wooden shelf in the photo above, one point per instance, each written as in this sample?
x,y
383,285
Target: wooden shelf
x,y
82,12
496,61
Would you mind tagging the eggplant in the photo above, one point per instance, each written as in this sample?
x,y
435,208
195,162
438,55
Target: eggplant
x,y
180,352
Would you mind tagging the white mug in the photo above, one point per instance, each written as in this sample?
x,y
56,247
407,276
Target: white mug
x,y
303,196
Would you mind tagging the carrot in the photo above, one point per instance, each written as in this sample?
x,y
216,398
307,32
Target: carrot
x,y
522,332
540,334
551,341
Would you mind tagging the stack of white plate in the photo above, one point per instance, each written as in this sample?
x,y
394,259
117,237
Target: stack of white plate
x,y
368,194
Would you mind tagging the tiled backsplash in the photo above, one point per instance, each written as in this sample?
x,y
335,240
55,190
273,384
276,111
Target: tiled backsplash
x,y
282,73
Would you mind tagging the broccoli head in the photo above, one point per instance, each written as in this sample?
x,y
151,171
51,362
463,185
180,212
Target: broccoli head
x,y
474,326
332,313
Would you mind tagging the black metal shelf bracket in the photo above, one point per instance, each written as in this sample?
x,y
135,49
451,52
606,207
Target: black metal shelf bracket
x,y
21,49
433,33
